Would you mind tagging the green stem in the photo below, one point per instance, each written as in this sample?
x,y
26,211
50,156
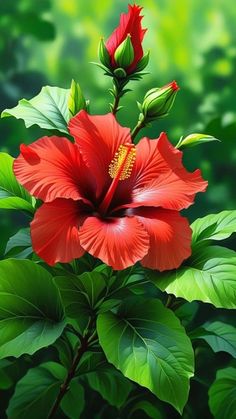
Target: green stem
x,y
115,104
169,300
84,344
174,303
118,87
141,124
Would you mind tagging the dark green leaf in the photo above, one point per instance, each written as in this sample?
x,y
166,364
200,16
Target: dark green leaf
x,y
19,246
5,379
72,403
219,336
81,295
222,394
31,313
150,410
65,346
91,361
187,312
36,392
111,384
148,344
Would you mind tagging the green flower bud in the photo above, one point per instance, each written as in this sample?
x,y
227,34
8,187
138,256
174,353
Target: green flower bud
x,y
194,139
158,101
76,100
124,54
103,54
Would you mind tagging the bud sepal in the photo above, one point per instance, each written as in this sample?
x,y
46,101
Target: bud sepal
x,y
103,54
142,64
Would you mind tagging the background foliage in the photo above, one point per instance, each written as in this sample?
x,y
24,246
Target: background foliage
x,y
51,42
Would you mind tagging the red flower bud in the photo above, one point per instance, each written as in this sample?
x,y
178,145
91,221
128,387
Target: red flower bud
x,y
130,25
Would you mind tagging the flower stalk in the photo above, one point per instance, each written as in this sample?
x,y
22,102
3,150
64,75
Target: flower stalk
x,y
140,125
84,344
118,92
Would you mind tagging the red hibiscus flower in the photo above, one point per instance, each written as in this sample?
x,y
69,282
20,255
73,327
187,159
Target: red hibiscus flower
x,y
130,24
103,195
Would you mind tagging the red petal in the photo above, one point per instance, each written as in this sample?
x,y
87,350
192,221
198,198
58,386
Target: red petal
x,y
98,138
170,238
29,154
119,242
54,231
51,168
160,179
130,23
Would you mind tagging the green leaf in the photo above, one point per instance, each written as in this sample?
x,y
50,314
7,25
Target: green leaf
x,y
36,392
111,384
214,227
194,139
209,276
72,403
81,295
12,194
187,312
12,370
148,408
92,361
31,313
219,336
49,109
222,394
76,100
147,343
19,246
66,346
5,379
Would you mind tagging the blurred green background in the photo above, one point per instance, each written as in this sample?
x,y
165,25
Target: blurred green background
x,y
52,41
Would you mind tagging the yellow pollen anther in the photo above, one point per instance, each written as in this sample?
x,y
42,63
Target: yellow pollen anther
x,y
123,161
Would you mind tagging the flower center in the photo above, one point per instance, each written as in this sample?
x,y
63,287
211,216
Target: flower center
x,y
120,168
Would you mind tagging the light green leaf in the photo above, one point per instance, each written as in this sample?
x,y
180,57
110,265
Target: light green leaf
x,y
12,194
214,226
36,392
209,276
147,343
111,384
49,109
19,246
219,336
194,139
72,403
31,313
222,394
